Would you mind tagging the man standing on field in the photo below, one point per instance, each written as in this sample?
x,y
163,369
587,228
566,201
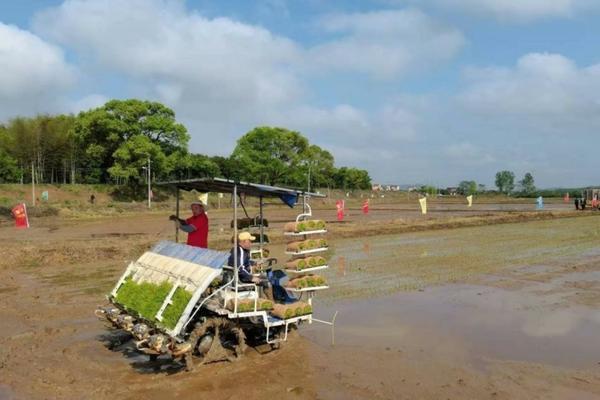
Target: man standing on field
x,y
196,226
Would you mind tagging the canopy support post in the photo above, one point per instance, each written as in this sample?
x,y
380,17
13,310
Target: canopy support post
x,y
177,214
235,246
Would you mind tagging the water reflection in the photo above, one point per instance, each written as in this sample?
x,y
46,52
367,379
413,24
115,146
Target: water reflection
x,y
487,322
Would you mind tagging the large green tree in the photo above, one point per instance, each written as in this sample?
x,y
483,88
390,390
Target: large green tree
x,y
527,184
272,155
230,168
505,181
467,187
318,164
191,166
352,178
108,135
278,156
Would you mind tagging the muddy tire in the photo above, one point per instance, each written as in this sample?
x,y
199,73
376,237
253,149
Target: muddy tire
x,y
217,339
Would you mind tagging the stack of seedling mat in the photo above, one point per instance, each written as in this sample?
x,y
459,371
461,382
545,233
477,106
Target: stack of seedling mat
x,y
286,311
306,246
248,305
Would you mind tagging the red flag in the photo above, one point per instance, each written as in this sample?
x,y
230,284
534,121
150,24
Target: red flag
x,y
20,213
365,206
339,205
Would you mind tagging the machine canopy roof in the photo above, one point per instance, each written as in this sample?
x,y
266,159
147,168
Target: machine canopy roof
x,y
221,185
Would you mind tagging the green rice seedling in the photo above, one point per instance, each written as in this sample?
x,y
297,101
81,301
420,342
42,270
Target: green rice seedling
x,y
311,244
310,280
289,313
143,299
319,224
301,226
173,312
311,224
307,309
313,261
283,311
298,308
266,304
244,305
319,280
299,283
297,264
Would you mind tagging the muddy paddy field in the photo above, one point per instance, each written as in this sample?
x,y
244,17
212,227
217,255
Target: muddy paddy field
x,y
494,302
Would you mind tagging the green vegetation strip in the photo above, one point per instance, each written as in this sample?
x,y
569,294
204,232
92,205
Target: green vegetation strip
x,y
145,299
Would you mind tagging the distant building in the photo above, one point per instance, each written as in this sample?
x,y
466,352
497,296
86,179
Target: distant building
x,y
377,187
452,191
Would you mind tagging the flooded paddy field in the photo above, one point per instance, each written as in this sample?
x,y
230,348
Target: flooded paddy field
x,y
504,311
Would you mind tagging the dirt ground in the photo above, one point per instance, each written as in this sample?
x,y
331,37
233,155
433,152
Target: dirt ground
x,y
498,301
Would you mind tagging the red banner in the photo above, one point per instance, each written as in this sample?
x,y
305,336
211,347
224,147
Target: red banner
x,y
20,213
339,205
365,206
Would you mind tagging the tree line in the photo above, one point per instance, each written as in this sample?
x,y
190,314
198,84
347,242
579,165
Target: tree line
x,y
505,182
113,144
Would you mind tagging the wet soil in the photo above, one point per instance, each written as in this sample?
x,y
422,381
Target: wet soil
x,y
502,311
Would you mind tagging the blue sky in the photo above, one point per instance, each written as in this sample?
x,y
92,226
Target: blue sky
x,y
429,91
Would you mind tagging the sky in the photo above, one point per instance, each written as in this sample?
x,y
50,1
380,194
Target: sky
x,y
414,91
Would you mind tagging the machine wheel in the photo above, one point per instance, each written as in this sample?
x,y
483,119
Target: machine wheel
x,y
217,339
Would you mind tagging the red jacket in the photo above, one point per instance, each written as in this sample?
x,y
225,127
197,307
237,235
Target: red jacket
x,y
198,238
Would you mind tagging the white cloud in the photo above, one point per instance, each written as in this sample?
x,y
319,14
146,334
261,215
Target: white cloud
x,y
86,103
223,77
393,124
542,91
34,72
203,67
521,10
385,44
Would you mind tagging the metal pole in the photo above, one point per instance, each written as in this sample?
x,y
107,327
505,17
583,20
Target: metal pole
x,y
149,188
262,229
235,245
32,184
177,214
309,165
